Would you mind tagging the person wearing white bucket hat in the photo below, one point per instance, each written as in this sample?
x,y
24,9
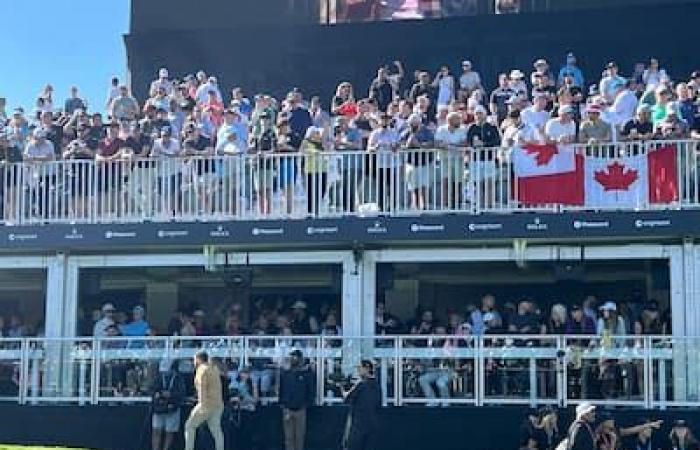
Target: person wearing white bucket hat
x,y
581,435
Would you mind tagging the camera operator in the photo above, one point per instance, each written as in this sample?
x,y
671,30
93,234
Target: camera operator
x,y
297,393
364,399
168,393
243,403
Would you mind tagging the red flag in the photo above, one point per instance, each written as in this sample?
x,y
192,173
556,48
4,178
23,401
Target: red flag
x,y
564,188
663,175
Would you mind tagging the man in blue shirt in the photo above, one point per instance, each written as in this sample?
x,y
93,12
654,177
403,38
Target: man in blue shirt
x,y
571,68
299,119
420,169
137,327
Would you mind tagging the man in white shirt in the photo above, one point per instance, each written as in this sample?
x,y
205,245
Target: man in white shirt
x,y
168,150
451,138
39,148
623,109
469,81
536,116
107,320
203,91
161,82
607,84
562,130
384,141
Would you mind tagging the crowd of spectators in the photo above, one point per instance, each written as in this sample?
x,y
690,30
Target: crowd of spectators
x,y
451,111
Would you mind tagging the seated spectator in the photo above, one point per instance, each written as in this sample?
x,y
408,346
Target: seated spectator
x,y
687,107
580,323
640,128
671,126
525,321
39,148
138,325
660,107
330,326
593,129
487,319
517,83
162,82
562,130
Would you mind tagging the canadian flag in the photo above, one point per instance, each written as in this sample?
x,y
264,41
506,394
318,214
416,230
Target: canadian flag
x,y
548,174
633,181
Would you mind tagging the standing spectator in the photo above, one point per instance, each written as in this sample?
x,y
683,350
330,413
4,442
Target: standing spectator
x,y
124,106
243,102
297,392
343,102
623,107
112,92
162,82
348,139
319,117
167,397
610,323
52,130
556,323
536,116
385,323
383,143
609,82
451,138
581,435
541,69
167,149
365,399
107,320
202,94
299,119
381,90
45,100
572,70
418,170
39,149
484,137
210,406
302,323
423,87
649,321
593,129
445,83
487,319
74,102
316,169
687,107
517,83
499,97
469,81
653,75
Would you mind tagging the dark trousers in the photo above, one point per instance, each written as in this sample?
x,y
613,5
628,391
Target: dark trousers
x,y
361,439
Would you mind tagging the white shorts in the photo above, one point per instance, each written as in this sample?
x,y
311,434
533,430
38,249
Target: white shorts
x,y
419,176
170,422
482,170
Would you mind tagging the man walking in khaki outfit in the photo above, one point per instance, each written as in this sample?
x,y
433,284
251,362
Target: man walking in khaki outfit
x,y
210,403
297,392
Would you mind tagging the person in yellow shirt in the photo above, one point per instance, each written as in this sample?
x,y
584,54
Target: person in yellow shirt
x,y
210,403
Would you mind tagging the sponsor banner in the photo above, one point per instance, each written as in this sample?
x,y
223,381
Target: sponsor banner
x,y
345,231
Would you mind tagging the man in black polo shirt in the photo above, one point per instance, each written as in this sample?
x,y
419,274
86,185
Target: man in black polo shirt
x,y
296,394
381,90
499,97
483,137
365,399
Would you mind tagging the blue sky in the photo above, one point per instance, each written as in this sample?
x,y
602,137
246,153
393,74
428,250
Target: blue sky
x,y
62,42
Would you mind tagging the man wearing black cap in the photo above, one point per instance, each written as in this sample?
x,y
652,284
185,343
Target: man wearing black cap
x,y
296,394
364,399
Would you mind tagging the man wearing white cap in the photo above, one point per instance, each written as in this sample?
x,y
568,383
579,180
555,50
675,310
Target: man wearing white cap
x,y
469,81
202,94
39,148
562,130
517,82
107,320
593,129
541,68
161,82
581,435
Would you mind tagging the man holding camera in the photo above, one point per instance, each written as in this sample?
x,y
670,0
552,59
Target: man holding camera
x,y
168,392
210,403
297,393
364,399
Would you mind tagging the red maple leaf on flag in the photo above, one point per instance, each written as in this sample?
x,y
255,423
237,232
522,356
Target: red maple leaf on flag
x,y
543,153
616,178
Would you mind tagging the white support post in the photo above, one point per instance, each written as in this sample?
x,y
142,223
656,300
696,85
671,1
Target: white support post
x,y
53,327
678,320
352,310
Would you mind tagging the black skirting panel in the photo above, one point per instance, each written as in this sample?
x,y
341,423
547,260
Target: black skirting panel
x,y
128,427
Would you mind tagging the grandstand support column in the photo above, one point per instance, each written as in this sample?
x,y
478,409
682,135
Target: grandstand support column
x,y
352,310
60,322
679,302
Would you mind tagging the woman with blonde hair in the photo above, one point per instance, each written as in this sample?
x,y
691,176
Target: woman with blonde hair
x,y
343,102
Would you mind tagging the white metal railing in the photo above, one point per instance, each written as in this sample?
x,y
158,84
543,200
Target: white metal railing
x,y
297,185
642,371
